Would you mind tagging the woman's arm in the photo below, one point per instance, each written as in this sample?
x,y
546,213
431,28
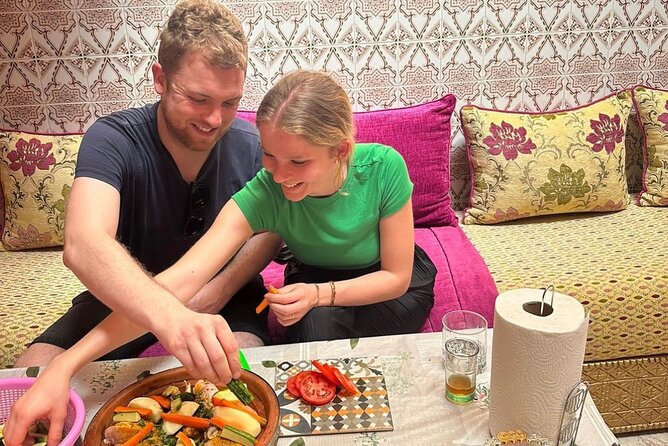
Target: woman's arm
x,y
397,241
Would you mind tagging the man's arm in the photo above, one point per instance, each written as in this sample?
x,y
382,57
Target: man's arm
x,y
251,259
101,263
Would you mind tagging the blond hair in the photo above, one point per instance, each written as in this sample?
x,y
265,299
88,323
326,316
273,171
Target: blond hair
x,y
313,105
207,27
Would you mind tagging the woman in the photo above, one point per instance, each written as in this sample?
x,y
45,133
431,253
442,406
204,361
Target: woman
x,y
345,212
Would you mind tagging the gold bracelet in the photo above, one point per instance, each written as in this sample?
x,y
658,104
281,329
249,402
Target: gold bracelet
x,y
333,287
317,295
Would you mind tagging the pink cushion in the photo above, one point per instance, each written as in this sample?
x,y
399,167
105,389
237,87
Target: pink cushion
x,y
421,133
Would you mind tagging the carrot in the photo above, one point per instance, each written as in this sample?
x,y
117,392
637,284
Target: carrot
x,y
196,422
140,411
139,436
260,308
245,409
184,438
164,402
220,424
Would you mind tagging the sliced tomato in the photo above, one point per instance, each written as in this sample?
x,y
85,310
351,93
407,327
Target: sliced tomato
x,y
317,390
302,375
292,388
347,383
294,382
326,370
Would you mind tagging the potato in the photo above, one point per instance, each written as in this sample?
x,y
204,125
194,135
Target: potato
x,y
238,419
144,402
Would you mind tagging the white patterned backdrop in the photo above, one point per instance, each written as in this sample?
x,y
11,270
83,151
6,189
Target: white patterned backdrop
x,y
63,63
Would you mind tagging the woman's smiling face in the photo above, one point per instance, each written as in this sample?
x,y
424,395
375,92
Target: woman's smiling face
x,y
301,168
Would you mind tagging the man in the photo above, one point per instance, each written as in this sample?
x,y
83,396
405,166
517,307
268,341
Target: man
x,y
149,182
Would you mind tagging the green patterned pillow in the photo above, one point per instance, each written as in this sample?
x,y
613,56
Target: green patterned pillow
x,y
36,172
652,107
527,164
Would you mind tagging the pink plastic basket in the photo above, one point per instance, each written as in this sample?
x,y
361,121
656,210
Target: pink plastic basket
x,y
12,389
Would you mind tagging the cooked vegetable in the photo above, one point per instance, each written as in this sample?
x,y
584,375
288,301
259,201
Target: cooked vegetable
x,y
225,394
144,402
188,409
163,401
237,435
240,391
240,420
171,390
245,409
183,440
188,418
141,411
185,420
127,417
139,436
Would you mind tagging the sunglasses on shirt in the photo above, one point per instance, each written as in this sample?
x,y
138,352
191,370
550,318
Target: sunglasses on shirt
x,y
198,200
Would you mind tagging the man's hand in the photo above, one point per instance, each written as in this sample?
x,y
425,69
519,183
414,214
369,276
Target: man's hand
x,y
203,343
47,399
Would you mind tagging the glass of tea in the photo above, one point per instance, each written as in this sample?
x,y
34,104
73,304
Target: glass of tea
x,y
469,325
461,369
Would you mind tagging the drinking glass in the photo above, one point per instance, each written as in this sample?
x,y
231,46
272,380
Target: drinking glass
x,y
467,325
461,369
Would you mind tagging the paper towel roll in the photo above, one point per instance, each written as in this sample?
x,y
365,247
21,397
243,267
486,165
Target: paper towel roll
x,y
536,361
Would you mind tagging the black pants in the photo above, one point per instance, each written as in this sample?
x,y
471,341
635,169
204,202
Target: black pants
x,y
405,314
87,312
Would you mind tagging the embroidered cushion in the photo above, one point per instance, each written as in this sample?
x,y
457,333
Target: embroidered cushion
x,y
36,172
652,112
527,164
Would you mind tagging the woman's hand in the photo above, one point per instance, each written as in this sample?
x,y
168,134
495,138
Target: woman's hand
x,y
47,399
293,301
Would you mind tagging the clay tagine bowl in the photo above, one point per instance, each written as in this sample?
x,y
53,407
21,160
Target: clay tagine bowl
x,y
265,403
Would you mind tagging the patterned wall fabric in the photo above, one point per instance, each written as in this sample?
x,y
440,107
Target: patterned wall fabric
x,y
63,63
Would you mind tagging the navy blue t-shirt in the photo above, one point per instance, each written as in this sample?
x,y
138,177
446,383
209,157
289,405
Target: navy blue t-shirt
x,y
124,150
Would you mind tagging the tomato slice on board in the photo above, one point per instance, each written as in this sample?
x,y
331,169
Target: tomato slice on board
x,y
345,381
292,388
294,382
317,390
326,370
302,375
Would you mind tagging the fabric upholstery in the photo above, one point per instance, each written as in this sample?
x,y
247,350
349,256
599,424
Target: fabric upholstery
x,y
36,172
606,261
421,133
525,164
652,112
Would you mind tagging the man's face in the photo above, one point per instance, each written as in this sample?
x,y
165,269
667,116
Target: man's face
x,y
199,102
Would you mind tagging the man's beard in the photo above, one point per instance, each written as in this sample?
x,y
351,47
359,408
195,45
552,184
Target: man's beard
x,y
181,134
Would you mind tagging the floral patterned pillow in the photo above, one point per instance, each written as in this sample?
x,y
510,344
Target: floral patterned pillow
x,y
652,107
527,164
36,172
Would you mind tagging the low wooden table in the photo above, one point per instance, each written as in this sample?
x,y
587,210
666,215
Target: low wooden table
x,y
414,377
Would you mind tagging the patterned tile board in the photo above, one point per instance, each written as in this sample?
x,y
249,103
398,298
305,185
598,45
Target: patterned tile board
x,y
369,411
